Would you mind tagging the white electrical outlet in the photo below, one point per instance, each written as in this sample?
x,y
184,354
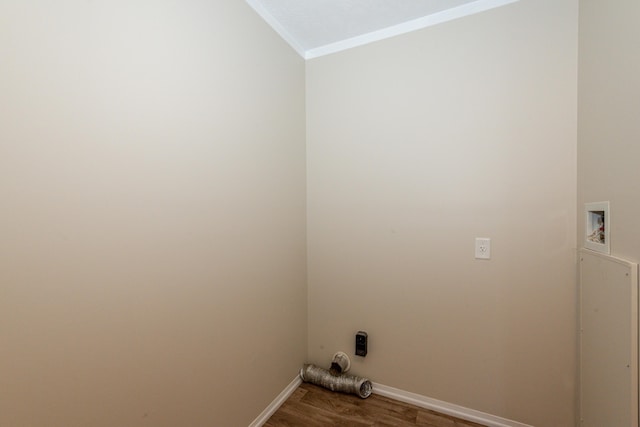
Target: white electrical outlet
x,y
483,248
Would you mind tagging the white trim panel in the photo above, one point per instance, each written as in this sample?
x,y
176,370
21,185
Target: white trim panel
x,y
277,402
608,308
444,407
406,27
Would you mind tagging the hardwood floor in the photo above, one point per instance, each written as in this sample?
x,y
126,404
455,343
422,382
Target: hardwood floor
x,y
313,406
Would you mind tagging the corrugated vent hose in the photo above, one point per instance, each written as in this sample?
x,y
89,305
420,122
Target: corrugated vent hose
x,y
341,382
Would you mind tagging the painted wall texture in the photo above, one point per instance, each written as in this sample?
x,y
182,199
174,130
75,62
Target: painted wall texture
x,y
609,130
154,251
152,190
416,146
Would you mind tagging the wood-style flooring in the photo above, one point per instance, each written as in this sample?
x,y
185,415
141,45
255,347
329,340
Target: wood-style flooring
x,y
313,406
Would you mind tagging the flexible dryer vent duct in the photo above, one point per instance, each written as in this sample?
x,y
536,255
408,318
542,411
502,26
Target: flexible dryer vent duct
x,y
343,383
340,363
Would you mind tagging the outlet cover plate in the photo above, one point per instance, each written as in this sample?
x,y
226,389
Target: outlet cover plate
x,y
483,248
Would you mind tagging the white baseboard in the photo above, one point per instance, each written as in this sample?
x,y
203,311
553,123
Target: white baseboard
x,y
402,396
444,407
277,402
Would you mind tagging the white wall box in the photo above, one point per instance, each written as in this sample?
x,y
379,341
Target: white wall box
x,y
597,221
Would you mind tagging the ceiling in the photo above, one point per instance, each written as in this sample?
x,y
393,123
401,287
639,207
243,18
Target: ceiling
x,y
320,27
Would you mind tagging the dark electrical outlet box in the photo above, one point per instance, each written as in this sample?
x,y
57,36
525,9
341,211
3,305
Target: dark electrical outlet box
x,y
361,343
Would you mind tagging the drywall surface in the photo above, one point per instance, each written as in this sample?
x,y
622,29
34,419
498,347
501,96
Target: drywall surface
x,y
416,146
609,130
152,250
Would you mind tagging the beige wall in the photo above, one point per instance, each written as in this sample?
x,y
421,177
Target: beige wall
x,y
609,129
152,242
419,144
152,264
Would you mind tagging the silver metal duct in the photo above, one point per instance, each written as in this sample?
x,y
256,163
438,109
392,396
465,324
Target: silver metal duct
x,y
343,383
340,363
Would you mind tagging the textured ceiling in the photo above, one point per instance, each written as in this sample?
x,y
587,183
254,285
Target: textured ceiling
x,y
318,27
